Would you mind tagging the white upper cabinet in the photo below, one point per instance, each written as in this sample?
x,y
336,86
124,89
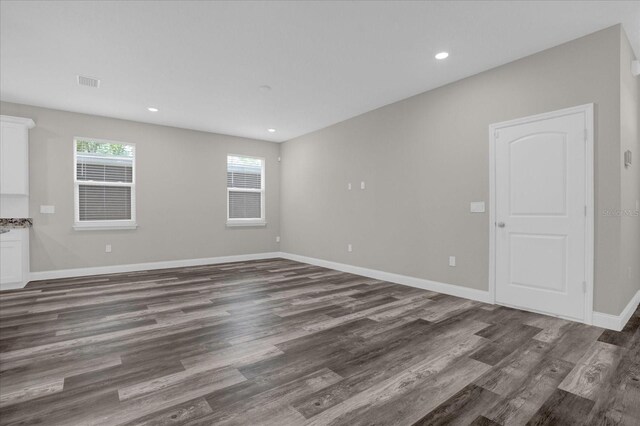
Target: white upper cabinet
x,y
14,155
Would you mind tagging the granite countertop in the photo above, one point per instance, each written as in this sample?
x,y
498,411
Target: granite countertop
x,y
15,223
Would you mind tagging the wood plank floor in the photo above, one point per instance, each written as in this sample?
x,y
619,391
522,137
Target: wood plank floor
x,y
283,343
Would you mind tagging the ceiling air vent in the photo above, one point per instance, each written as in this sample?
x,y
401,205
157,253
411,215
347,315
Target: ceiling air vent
x,y
88,81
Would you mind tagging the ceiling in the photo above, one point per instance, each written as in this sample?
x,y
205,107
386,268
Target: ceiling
x,y
202,63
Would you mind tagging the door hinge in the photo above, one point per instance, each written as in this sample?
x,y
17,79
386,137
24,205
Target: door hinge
x,y
584,286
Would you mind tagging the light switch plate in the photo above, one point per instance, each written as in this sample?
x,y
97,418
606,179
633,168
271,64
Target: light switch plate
x,y
477,207
47,209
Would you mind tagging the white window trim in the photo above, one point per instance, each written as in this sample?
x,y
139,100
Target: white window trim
x,y
102,225
250,221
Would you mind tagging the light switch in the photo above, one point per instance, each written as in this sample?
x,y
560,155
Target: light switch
x,y
362,185
452,261
477,207
47,209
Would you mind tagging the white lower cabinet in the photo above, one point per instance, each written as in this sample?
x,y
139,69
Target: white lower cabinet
x,y
14,259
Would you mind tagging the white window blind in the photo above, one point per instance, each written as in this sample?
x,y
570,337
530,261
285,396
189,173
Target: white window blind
x,y
104,184
245,190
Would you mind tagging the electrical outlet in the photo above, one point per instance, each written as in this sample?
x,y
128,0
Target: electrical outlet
x,y
278,239
362,185
107,248
47,209
452,261
349,186
349,248
477,207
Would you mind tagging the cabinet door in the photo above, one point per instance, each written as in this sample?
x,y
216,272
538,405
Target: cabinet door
x,y
10,264
14,160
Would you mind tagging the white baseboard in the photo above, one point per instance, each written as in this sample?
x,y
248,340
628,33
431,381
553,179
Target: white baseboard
x,y
617,322
454,290
12,286
99,270
612,322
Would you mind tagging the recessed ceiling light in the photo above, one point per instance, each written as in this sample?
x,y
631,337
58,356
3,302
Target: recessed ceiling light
x,y
153,109
442,55
271,130
265,88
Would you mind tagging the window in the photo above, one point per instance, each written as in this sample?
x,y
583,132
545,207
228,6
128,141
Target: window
x,y
105,190
245,191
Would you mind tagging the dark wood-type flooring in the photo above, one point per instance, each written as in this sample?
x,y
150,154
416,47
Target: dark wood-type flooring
x,y
283,343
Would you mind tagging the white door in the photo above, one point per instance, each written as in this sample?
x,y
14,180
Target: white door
x,y
541,190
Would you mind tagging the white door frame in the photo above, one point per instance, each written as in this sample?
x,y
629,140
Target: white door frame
x,y
587,110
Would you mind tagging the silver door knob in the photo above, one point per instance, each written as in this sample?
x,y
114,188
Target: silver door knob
x,y
501,224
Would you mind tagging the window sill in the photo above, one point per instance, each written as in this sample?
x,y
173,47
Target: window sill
x,y
105,226
236,223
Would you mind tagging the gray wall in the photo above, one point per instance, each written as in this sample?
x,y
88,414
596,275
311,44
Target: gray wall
x,y
181,190
425,158
630,178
